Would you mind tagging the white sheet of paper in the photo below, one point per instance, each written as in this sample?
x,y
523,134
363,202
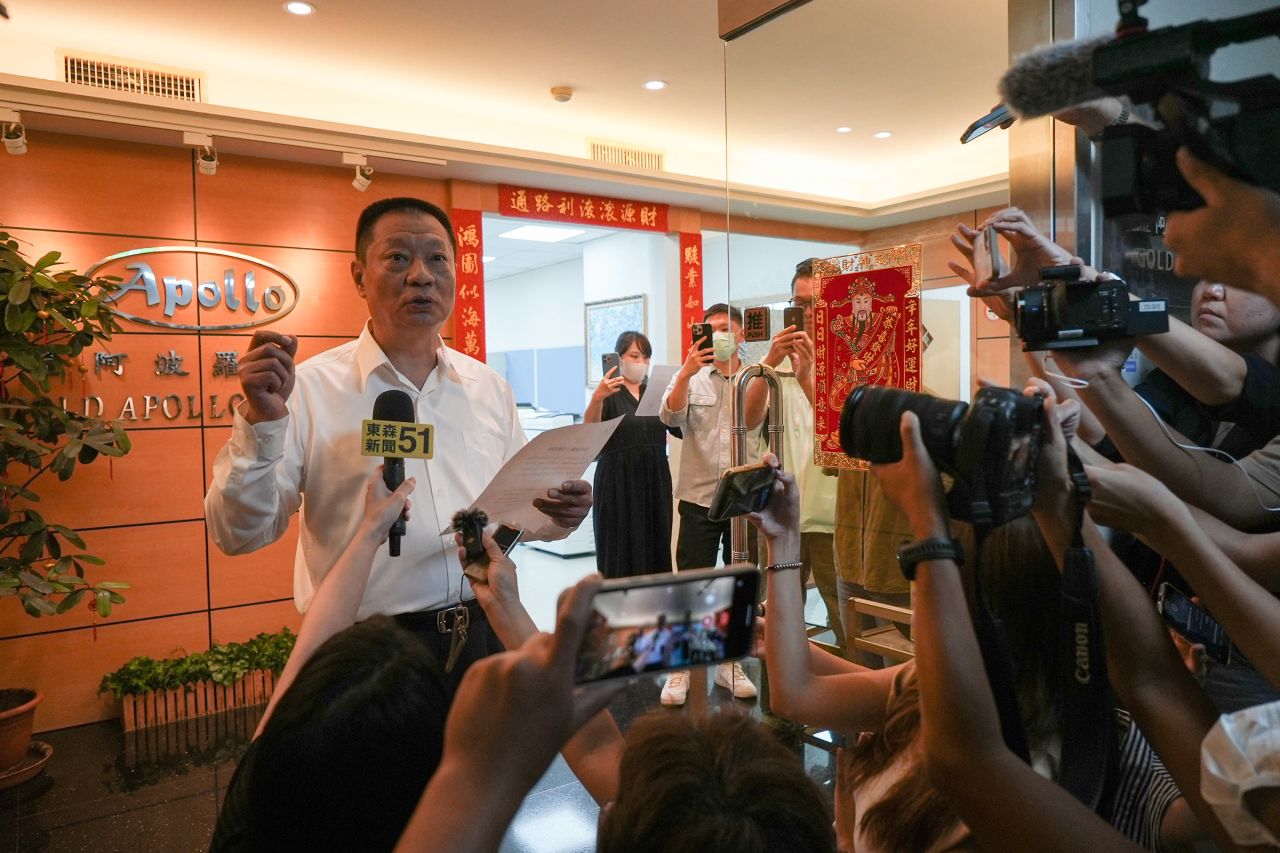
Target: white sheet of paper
x,y
545,463
659,378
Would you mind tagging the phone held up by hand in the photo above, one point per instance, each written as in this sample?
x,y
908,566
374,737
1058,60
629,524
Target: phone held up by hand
x,y
793,316
987,262
741,490
1194,622
610,361
656,623
700,335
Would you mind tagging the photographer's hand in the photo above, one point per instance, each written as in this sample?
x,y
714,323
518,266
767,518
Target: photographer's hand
x,y
779,521
913,485
1234,238
499,594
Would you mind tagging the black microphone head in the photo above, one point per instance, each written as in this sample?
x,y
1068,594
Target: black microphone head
x,y
394,405
1052,78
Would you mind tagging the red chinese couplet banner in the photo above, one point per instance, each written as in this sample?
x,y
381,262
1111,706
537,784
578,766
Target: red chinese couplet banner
x,y
532,203
690,282
867,313
468,306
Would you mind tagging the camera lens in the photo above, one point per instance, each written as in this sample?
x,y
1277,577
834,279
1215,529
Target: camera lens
x,y
871,416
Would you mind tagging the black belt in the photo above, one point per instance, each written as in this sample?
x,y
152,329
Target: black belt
x,y
444,620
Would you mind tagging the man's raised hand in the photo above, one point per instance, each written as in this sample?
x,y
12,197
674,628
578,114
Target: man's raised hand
x,y
266,376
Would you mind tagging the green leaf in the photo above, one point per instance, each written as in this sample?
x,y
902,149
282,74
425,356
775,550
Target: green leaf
x,y
20,291
91,560
116,598
49,259
111,585
35,582
13,318
68,534
60,319
71,600
104,602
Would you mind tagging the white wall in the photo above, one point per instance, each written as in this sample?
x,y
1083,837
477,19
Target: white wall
x,y
539,309
631,263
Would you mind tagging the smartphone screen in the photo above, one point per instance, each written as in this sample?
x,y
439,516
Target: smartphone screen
x,y
700,331
741,490
608,362
793,317
656,623
1193,622
507,537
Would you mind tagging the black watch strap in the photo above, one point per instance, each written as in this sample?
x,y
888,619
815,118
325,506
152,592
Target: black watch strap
x,y
912,554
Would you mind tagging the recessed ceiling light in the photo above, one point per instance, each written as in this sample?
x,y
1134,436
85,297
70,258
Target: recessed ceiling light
x,y
655,85
297,7
844,129
883,134
542,233
488,259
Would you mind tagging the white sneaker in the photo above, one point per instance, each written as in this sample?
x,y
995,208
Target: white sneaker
x,y
731,677
677,688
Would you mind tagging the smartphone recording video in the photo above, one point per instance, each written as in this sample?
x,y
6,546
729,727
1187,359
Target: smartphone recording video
x,y
662,622
987,261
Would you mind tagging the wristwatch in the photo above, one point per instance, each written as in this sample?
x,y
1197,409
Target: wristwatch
x,y
912,554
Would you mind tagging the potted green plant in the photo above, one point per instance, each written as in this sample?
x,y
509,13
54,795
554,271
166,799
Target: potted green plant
x,y
49,318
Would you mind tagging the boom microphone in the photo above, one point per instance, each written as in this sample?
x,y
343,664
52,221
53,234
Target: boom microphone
x,y
1052,78
394,406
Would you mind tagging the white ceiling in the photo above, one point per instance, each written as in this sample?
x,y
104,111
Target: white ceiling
x,y
480,70
510,256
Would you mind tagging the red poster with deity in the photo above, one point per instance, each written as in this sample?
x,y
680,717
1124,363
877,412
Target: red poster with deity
x,y
468,306
867,313
690,281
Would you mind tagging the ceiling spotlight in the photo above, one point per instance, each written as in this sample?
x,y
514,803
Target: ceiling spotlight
x,y
207,161
882,134
561,94
844,129
655,85
297,7
15,138
364,177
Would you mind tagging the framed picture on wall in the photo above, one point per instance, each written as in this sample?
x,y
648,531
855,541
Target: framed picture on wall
x,y
607,319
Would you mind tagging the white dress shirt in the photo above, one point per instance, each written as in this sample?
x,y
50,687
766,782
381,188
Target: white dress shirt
x,y
311,459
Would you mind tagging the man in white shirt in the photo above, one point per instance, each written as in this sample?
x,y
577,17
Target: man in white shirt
x,y
296,447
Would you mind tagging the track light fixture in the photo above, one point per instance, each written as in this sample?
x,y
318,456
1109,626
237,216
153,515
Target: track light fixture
x,y
12,131
364,177
207,161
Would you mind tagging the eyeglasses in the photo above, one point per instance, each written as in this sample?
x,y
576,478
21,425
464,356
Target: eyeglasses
x,y
801,303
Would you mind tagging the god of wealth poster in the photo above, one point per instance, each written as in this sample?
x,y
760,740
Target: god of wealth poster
x,y
867,313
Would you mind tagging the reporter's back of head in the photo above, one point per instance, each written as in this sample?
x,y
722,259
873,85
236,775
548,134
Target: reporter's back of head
x,y
343,760
716,783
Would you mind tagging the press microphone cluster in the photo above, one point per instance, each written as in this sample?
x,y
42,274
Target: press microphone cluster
x,y
394,406
1052,78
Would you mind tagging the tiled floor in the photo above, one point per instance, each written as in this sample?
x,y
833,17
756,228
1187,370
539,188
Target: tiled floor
x,y
105,791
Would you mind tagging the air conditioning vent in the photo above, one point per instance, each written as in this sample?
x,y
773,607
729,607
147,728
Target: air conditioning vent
x,y
618,154
123,75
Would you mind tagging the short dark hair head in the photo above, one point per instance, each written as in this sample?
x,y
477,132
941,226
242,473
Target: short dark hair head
x,y
722,308
343,760
370,215
720,782
626,339
804,269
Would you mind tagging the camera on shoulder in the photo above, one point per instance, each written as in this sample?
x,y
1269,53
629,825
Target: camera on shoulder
x,y
990,447
1065,311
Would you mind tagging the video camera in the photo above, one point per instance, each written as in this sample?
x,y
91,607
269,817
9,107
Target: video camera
x,y
1064,312
1233,126
990,448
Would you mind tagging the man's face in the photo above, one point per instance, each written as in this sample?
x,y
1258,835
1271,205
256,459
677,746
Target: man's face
x,y
1232,316
407,274
803,298
862,308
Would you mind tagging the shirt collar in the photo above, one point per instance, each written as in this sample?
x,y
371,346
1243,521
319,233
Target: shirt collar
x,y
370,356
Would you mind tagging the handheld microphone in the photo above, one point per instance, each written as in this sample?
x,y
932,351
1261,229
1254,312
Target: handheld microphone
x,y
1052,78
394,406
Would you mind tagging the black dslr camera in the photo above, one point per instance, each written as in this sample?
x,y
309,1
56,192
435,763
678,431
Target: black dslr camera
x,y
1233,126
990,448
1063,312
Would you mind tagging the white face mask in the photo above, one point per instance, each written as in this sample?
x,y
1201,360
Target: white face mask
x,y
634,371
722,346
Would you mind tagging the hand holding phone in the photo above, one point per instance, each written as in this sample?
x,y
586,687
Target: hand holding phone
x,y
793,316
656,623
742,490
987,261
610,361
701,353
1193,622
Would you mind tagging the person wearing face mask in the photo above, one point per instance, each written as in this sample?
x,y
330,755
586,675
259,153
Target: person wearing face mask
x,y
698,401
632,490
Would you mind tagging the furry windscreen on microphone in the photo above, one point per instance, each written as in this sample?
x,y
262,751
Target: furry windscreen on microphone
x,y
1052,78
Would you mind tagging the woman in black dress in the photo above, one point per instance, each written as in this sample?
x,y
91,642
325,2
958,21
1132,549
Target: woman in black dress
x,y
632,497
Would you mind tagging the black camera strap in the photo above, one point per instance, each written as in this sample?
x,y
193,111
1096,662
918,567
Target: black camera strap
x,y
1090,751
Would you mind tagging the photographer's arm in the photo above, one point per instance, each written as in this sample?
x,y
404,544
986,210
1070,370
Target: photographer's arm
x,y
851,701
1209,371
1256,554
1006,804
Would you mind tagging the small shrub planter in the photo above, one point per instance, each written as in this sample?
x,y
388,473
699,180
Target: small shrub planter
x,y
228,676
17,718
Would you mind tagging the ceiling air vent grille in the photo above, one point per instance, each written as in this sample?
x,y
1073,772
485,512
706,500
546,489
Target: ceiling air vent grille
x,y
121,75
618,154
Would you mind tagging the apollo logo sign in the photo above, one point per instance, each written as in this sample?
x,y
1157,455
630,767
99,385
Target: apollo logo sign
x,y
249,292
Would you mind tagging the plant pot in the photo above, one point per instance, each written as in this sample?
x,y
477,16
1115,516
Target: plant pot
x,y
17,716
